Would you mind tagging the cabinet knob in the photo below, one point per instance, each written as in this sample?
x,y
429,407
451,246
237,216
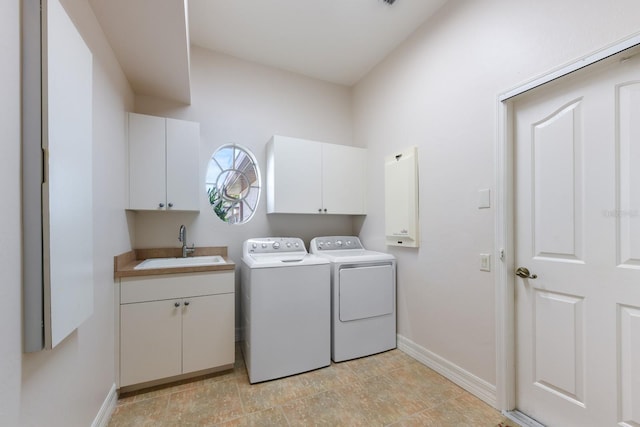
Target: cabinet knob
x,y
187,303
320,210
176,304
161,205
325,209
170,205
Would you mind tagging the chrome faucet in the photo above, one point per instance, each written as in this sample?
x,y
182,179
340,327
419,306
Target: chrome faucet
x,y
182,236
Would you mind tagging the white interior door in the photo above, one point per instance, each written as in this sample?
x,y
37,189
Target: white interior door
x,y
577,225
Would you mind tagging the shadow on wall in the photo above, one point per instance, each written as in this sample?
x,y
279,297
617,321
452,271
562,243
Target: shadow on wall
x,y
309,226
357,224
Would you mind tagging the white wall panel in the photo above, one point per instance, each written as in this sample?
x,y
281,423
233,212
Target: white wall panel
x,y
57,176
68,187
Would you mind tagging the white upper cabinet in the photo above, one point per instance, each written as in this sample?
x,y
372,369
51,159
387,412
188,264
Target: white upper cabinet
x,y
163,163
313,177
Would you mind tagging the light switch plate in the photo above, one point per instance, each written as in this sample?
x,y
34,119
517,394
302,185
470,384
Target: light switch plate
x,y
484,198
485,262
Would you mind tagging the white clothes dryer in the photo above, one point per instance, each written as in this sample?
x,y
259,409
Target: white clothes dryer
x,y
286,308
363,297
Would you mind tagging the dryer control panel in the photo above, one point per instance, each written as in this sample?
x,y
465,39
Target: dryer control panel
x,y
270,245
335,243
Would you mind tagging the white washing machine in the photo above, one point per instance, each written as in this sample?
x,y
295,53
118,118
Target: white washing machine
x,y
286,308
363,297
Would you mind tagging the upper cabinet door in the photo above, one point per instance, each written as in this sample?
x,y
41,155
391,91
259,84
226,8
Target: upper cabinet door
x,y
294,175
164,164
183,178
147,162
343,179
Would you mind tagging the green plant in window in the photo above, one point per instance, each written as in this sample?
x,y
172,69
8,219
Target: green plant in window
x,y
219,206
233,184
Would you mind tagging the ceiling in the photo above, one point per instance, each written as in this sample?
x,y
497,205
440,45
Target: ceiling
x,y
334,40
151,41
338,41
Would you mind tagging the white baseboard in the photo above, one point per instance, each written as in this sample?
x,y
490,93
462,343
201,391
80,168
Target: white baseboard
x,y
474,385
109,404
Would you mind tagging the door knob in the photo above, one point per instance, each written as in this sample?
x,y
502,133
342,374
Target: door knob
x,y
524,273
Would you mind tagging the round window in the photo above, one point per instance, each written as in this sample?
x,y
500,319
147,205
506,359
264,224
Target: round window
x,y
233,183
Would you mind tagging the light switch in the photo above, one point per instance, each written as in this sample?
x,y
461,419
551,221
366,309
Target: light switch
x,y
484,198
485,262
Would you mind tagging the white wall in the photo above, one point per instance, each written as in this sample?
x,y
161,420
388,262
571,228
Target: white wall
x,y
68,385
438,91
240,102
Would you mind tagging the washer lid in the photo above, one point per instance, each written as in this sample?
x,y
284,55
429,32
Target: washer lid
x,y
284,259
351,256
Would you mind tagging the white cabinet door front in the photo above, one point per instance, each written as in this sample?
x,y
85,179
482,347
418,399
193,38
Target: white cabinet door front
x,y
150,343
295,181
183,178
343,179
208,335
147,162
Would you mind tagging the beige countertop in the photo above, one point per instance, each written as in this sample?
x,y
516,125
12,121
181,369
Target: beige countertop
x,y
124,264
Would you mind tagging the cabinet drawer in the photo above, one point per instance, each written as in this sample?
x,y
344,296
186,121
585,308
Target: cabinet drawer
x,y
169,286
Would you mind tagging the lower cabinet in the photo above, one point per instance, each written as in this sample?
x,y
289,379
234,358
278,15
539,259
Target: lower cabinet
x,y
175,324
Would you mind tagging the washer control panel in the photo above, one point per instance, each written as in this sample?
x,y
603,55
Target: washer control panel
x,y
335,243
269,245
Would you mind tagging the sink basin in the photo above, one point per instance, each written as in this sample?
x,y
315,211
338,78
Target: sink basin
x,y
180,262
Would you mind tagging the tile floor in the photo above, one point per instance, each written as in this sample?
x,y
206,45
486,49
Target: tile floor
x,y
388,389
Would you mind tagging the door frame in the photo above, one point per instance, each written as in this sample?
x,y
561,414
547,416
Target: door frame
x,y
505,221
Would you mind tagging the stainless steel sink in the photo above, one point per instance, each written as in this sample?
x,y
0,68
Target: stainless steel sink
x,y
180,262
